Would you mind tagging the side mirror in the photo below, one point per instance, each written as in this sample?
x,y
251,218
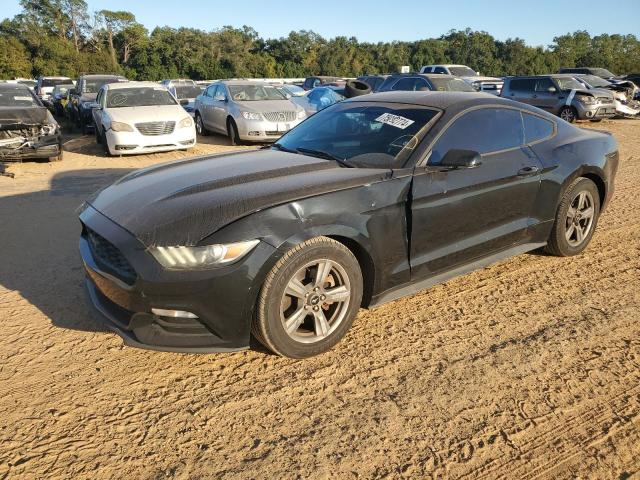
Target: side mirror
x,y
184,102
220,98
552,89
458,158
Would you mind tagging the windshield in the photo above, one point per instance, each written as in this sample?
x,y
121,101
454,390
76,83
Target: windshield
x,y
602,72
17,98
250,93
569,84
451,85
463,72
294,89
62,88
52,82
594,81
361,134
95,84
139,97
187,91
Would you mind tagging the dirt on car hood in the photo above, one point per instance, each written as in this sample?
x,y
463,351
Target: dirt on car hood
x,y
181,203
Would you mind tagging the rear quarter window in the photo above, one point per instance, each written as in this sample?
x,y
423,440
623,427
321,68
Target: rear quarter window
x,y
522,85
536,128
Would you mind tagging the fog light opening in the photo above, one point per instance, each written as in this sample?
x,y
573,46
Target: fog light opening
x,y
254,133
173,313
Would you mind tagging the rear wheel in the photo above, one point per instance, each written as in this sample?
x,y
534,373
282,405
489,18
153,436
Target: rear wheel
x,y
568,114
309,299
232,131
57,158
576,219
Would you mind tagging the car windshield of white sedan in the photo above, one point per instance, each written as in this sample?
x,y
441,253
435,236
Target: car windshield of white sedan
x,y
251,93
359,134
139,97
451,85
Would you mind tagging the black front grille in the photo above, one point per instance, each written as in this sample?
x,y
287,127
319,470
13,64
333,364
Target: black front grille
x,y
109,256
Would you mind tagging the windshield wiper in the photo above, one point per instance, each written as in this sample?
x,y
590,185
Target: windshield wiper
x,y
323,154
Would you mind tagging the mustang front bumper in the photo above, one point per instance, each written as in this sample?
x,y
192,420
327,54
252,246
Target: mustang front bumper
x,y
125,283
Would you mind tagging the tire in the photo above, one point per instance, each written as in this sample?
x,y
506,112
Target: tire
x,y
232,132
306,306
83,127
572,232
57,158
200,128
105,144
98,136
568,114
597,120
355,88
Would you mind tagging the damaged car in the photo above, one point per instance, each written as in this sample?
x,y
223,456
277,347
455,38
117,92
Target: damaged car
x,y
371,199
27,128
561,95
624,92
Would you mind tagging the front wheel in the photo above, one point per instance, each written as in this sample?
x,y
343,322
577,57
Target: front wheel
x,y
232,131
105,144
576,219
568,114
200,128
309,299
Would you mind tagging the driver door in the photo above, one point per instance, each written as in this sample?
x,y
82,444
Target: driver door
x,y
462,214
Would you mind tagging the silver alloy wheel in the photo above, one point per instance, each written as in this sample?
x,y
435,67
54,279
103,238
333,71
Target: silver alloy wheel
x,y
579,218
315,301
568,115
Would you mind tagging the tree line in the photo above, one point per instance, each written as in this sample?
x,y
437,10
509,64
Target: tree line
x,y
62,37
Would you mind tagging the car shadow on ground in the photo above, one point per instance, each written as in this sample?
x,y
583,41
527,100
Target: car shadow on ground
x,y
39,256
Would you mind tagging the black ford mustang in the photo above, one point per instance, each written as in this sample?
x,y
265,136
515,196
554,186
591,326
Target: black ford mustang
x,y
371,199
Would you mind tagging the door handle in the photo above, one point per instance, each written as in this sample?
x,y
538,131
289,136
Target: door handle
x,y
526,171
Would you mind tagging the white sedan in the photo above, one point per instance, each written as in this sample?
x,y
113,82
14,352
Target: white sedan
x,y
141,117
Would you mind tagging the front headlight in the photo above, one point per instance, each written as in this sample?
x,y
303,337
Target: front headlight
x,y
121,127
301,114
192,258
586,99
185,122
252,115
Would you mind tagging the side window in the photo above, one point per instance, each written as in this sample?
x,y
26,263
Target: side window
x,y
543,85
440,70
210,91
522,85
536,128
485,130
221,93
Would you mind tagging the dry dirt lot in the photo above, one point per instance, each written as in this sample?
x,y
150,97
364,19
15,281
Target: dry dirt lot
x,y
527,369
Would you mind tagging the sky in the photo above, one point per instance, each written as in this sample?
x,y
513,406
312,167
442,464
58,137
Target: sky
x,y
386,20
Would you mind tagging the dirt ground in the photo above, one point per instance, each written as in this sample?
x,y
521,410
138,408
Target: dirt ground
x,y
527,369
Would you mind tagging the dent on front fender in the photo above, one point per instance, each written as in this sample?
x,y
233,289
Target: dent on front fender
x,y
372,216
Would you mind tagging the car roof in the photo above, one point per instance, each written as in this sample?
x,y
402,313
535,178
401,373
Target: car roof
x,y
440,100
244,82
116,86
106,75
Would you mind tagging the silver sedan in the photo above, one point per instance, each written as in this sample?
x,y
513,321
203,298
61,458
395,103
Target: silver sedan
x,y
246,111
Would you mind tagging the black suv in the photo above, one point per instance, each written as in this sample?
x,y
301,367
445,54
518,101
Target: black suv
x,y
82,99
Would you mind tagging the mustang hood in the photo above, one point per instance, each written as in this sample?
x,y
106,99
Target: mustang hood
x,y
181,203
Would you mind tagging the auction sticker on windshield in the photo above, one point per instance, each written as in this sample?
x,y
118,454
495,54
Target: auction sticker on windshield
x,y
394,120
